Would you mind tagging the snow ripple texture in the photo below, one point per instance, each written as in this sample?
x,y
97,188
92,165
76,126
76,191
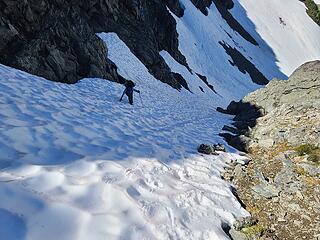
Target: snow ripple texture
x,y
77,164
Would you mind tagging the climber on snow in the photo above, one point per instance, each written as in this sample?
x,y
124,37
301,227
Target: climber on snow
x,y
129,90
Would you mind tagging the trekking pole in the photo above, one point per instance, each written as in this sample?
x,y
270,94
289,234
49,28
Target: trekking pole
x,y
141,99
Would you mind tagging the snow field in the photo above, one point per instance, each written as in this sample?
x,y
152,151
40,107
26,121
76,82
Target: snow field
x,y
294,39
283,46
77,164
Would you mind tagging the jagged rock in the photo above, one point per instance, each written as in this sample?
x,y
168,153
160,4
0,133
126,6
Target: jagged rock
x,y
206,149
228,4
291,106
237,141
7,34
211,149
56,39
245,119
243,64
280,185
237,235
266,190
219,147
310,169
230,129
175,7
301,87
244,222
202,5
235,108
283,111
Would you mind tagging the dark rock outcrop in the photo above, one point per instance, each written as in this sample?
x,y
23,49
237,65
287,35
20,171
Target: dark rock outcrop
x,y
175,7
211,149
205,80
52,39
202,5
56,39
245,118
224,7
244,65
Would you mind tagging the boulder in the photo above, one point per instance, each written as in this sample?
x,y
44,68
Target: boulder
x,y
211,149
244,222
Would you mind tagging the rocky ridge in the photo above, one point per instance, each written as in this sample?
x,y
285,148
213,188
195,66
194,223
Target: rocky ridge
x,y
57,40
279,127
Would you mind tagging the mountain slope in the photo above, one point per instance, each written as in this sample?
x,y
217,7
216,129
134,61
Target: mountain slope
x,y
282,47
292,37
282,180
220,40
77,164
76,161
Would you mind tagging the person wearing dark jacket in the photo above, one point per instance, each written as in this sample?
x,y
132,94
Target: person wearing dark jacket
x,y
129,91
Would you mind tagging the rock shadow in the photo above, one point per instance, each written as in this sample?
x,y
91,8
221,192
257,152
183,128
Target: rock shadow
x,y
246,115
12,227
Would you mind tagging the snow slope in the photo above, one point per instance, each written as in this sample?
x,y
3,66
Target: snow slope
x,y
317,1
77,164
283,45
294,41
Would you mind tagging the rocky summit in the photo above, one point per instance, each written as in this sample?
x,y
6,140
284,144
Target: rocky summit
x,y
281,185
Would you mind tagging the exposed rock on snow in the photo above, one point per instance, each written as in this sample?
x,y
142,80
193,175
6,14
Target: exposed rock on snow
x,y
202,5
244,65
223,8
76,164
211,149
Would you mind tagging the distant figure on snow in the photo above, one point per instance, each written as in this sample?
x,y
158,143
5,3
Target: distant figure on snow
x,y
129,90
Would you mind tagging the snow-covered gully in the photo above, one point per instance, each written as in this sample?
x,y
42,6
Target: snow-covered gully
x,y
77,164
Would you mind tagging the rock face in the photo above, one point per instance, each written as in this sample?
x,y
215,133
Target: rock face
x,y
52,39
283,111
56,39
281,127
292,108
